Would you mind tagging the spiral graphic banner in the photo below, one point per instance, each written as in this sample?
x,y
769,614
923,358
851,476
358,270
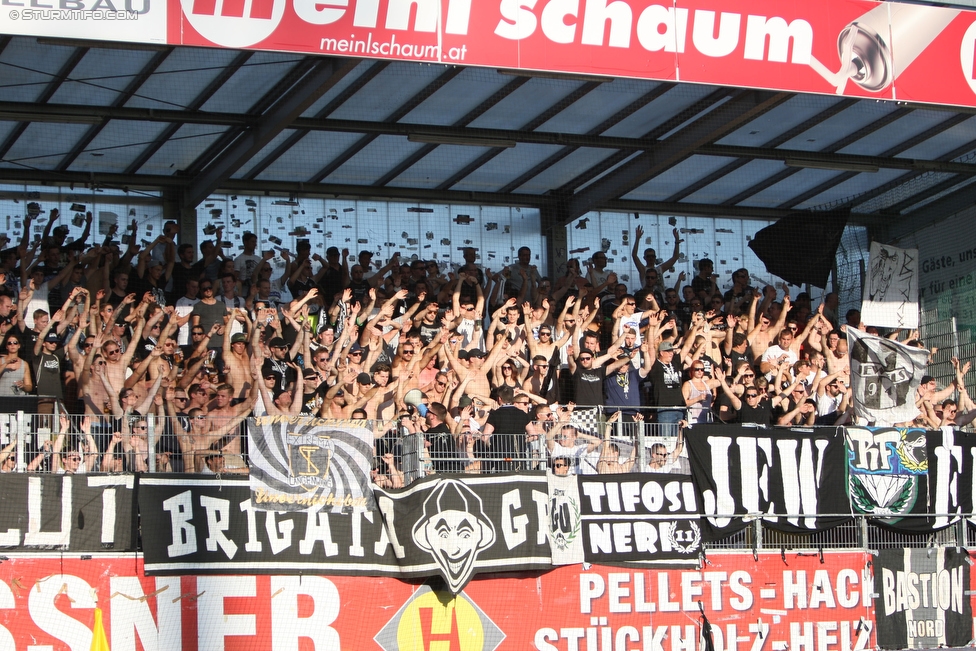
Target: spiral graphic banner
x,y
310,464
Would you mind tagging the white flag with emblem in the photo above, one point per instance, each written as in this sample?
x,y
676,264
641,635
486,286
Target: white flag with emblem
x,y
885,376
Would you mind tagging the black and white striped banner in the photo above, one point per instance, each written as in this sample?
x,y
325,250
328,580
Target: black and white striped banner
x,y
310,464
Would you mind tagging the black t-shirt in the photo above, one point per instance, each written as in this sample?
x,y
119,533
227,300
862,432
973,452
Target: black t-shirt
x,y
429,332
180,277
589,385
443,452
730,414
47,374
285,374
700,285
359,288
761,414
330,284
735,359
508,438
667,385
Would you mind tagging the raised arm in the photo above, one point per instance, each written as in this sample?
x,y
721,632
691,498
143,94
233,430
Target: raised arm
x,y
668,264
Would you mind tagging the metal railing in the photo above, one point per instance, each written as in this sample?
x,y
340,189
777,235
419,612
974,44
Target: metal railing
x,y
23,435
61,442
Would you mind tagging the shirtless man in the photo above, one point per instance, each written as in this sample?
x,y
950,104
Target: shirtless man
x,y
536,382
476,370
223,412
116,361
237,361
764,332
650,255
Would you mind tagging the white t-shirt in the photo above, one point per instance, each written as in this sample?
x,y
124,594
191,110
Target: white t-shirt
x,y
184,306
245,265
584,463
827,404
38,302
774,352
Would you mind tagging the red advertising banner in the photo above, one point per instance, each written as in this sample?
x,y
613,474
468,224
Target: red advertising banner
x,y
883,50
774,603
851,47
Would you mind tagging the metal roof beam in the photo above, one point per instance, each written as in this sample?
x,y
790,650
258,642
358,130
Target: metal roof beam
x,y
887,160
698,108
620,115
293,139
919,168
46,94
123,97
317,80
834,147
788,135
402,110
229,71
531,125
676,146
465,120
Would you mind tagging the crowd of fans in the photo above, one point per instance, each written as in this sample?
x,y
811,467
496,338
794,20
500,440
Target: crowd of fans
x,y
497,370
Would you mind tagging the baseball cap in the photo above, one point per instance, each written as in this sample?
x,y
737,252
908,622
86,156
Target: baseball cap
x,y
52,338
664,346
239,338
276,342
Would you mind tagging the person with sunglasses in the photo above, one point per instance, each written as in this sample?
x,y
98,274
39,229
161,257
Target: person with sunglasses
x,y
15,375
660,461
699,393
753,407
208,315
198,441
81,455
567,442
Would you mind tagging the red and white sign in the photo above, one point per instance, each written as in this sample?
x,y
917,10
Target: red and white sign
x,y
799,602
883,50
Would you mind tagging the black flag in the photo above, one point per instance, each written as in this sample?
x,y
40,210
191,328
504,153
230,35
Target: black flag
x,y
800,248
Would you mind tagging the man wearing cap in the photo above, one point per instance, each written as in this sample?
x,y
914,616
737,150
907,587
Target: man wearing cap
x,y
476,367
588,375
48,365
237,362
666,378
152,276
313,392
277,363
208,312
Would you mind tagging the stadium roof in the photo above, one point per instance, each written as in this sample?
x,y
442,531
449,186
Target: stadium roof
x,y
195,120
